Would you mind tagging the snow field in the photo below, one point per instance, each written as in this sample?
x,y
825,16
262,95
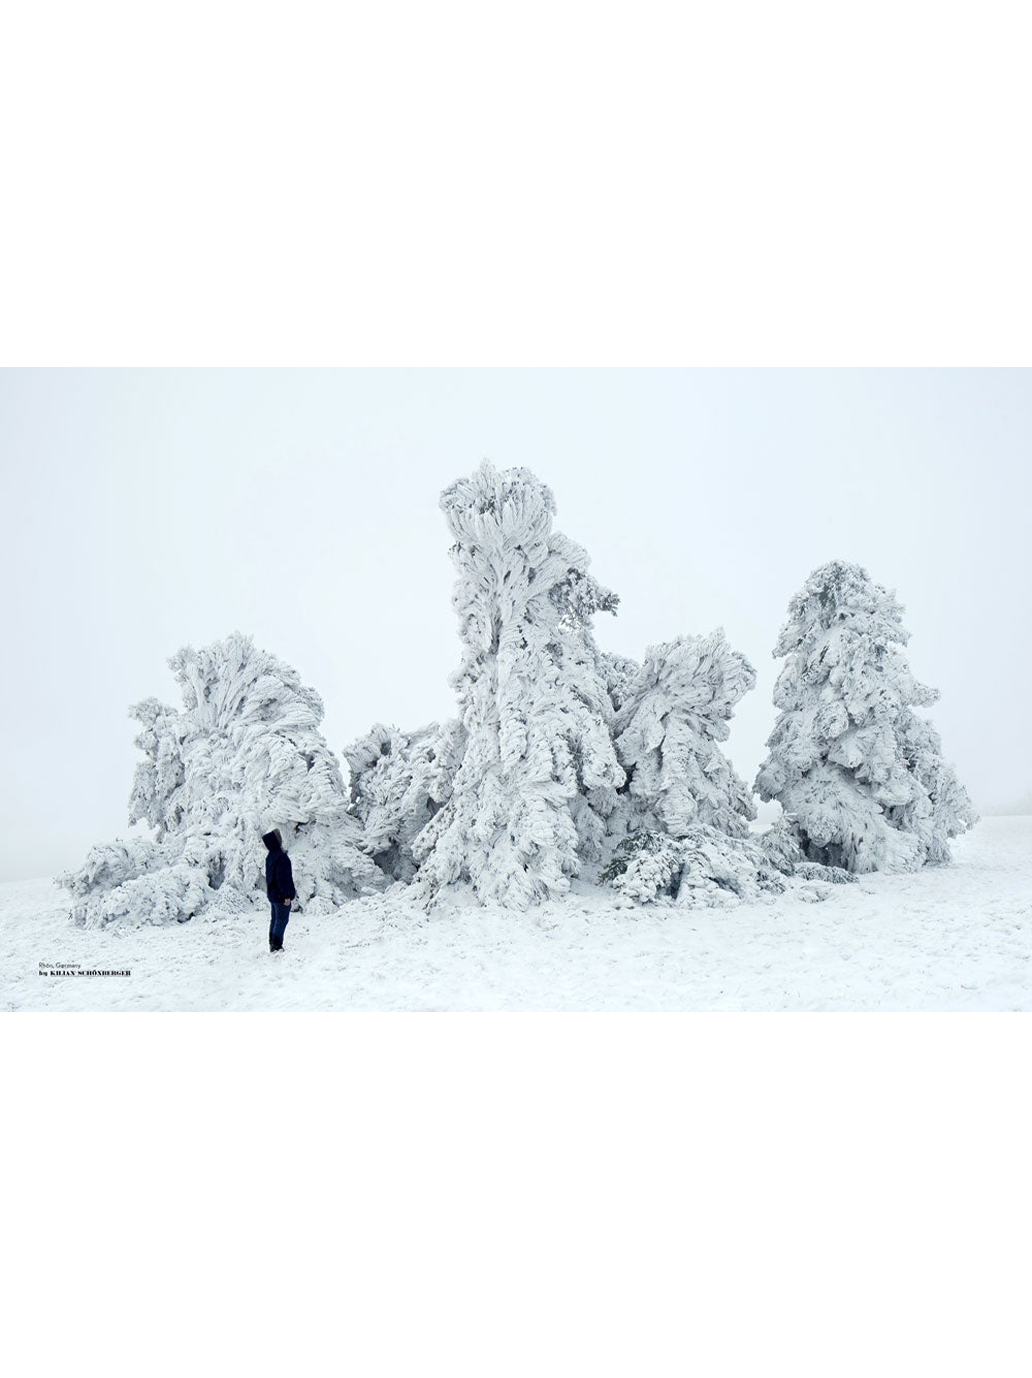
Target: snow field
x,y
955,937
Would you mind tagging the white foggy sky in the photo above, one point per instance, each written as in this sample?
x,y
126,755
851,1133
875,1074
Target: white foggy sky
x,y
149,509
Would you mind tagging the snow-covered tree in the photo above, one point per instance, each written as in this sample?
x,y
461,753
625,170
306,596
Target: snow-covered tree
x,y
701,868
539,772
242,756
684,812
673,717
398,783
857,771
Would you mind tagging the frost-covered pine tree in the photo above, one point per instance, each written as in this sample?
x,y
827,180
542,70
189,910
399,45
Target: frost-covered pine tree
x,y
539,772
857,771
242,756
682,822
669,731
399,781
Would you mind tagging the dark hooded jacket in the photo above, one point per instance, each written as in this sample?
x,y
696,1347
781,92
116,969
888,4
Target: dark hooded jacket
x,y
279,879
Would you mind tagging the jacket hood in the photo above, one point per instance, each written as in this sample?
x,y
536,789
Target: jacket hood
x,y
272,840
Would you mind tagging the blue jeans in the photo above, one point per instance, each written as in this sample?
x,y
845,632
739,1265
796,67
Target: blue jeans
x,y
280,919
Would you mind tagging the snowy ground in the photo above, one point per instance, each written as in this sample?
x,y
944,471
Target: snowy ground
x,y
946,938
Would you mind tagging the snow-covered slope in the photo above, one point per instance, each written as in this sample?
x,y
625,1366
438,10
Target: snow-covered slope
x,y
956,937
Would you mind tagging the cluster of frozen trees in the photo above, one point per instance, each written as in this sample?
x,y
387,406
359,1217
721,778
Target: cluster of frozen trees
x,y
563,761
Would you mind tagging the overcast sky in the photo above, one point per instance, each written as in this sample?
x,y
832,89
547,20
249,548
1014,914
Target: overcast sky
x,y
151,509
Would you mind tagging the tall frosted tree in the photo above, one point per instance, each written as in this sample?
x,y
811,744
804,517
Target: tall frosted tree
x,y
243,755
859,773
539,772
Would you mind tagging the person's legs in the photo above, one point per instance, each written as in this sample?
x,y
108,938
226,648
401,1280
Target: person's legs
x,y
280,915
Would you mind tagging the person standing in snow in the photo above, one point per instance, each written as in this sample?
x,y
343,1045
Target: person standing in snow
x,y
279,886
